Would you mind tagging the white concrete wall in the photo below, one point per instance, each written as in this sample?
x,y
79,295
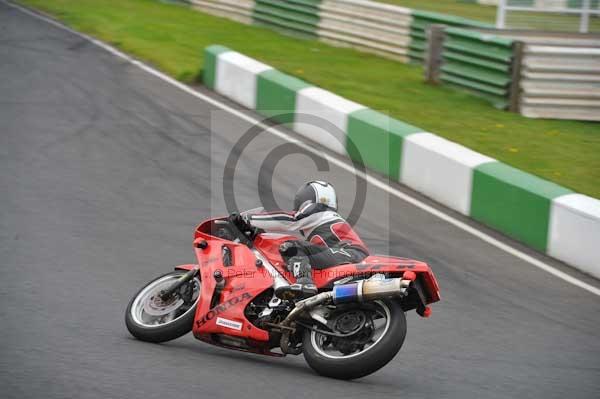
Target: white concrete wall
x,y
574,232
236,77
327,108
440,169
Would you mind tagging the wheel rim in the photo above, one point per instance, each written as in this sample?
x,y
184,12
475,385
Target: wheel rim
x,y
148,311
381,323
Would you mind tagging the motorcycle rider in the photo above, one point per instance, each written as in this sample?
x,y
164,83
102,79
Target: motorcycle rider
x,y
328,239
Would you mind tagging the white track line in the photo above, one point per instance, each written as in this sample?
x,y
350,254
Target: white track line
x,y
342,164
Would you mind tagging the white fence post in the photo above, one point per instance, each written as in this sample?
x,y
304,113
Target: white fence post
x,y
501,14
584,24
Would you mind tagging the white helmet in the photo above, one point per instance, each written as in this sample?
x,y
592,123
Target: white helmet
x,y
316,192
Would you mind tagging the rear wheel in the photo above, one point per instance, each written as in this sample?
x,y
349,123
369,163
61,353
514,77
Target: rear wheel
x,y
151,319
371,335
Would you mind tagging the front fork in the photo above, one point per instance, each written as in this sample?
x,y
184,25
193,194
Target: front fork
x,y
165,295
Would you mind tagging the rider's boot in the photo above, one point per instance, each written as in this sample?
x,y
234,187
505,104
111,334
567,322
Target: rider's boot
x,y
304,286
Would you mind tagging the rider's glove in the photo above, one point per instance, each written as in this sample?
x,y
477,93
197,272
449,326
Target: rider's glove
x,y
240,221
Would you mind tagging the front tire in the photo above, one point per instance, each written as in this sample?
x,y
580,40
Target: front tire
x,y
148,319
363,362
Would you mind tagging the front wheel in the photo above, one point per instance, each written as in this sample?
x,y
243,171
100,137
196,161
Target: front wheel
x,y
368,336
151,319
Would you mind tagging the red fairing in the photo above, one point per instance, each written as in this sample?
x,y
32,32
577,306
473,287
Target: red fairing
x,y
268,244
243,282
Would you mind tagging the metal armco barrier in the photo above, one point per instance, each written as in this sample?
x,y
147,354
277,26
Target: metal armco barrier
x,y
478,62
540,75
422,20
560,82
387,30
559,74
238,10
299,17
368,26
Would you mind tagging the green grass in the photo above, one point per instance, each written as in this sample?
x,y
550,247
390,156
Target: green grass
x,y
172,38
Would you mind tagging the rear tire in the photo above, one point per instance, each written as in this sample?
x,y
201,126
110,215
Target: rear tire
x,y
179,326
362,364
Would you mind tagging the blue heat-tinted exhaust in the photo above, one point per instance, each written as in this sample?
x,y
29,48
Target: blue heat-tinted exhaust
x,y
366,290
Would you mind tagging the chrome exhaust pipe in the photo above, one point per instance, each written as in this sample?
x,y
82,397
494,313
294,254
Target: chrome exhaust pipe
x,y
358,291
307,305
368,290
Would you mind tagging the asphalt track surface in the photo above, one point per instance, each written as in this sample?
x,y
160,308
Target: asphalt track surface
x,y
104,172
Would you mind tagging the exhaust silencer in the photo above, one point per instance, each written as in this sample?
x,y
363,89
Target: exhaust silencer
x,y
368,290
363,290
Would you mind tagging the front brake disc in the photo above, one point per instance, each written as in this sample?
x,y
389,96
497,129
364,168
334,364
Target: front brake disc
x,y
155,306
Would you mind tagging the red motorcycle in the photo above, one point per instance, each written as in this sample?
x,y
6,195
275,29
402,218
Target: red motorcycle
x,y
354,326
